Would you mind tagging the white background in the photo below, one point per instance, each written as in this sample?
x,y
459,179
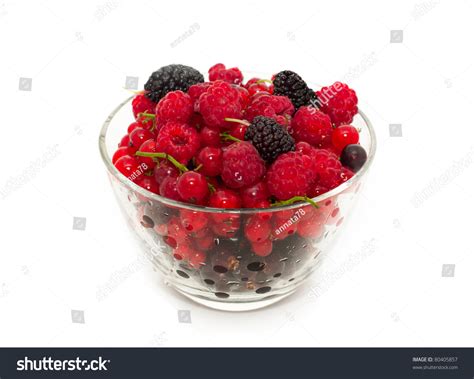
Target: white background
x,y
415,212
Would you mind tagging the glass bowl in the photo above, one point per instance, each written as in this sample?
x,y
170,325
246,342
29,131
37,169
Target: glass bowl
x,y
230,277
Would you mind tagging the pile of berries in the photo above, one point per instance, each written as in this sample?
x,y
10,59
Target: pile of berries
x,y
232,144
259,143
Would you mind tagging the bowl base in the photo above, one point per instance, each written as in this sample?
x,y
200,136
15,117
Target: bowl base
x,y
235,306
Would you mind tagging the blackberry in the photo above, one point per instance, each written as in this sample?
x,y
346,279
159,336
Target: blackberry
x,y
288,83
173,77
269,138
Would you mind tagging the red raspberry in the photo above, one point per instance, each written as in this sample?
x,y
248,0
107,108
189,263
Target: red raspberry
x,y
328,169
312,126
230,75
221,100
196,90
179,140
290,175
175,106
244,96
339,102
269,106
142,104
242,166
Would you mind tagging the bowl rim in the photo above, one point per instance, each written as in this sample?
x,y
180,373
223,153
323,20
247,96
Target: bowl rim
x,y
192,207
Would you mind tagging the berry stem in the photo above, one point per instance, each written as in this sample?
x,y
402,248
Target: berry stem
x,y
243,122
178,165
264,81
147,115
228,137
294,200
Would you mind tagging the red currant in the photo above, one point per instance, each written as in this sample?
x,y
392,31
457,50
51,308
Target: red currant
x,y
210,137
211,160
225,198
133,126
129,167
344,135
149,183
140,135
148,147
257,230
119,153
192,187
168,188
263,248
252,195
197,259
193,221
165,169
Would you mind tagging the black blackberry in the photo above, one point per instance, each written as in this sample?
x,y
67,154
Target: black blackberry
x,y
269,138
173,77
288,83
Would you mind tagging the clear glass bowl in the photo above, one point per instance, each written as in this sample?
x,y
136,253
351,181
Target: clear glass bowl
x,y
232,276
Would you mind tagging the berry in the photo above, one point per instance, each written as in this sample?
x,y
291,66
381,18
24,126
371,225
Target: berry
x,y
192,187
197,259
254,87
241,165
211,160
230,75
165,169
168,188
253,195
243,95
149,183
221,100
147,147
269,106
196,90
344,135
290,176
134,125
312,126
224,198
238,131
262,249
210,136
129,167
174,106
182,252
125,141
269,138
327,169
142,104
138,136
171,78
257,230
179,140
119,153
288,83
353,157
193,221
339,102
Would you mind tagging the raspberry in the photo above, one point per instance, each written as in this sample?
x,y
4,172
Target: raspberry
x,y
221,100
230,75
290,84
312,126
339,102
171,78
290,176
241,165
142,104
269,106
197,90
243,95
327,168
175,106
269,138
179,140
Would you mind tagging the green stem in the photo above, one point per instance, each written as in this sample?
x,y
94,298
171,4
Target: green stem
x,y
228,137
243,122
212,189
178,165
294,200
264,81
147,115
